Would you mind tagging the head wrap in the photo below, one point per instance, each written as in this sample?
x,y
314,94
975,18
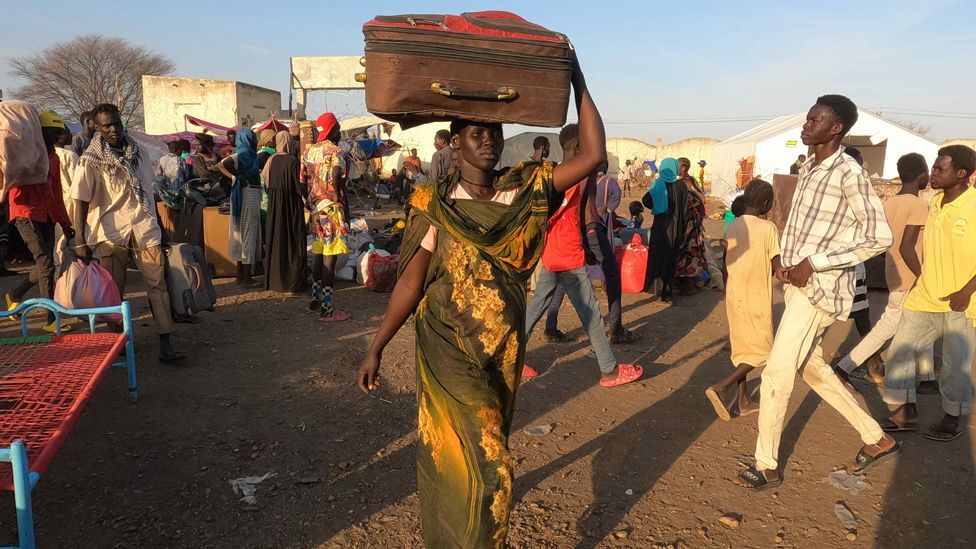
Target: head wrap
x,y
247,168
294,129
266,140
324,124
283,142
659,193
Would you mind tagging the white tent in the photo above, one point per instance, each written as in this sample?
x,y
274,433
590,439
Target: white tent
x,y
776,144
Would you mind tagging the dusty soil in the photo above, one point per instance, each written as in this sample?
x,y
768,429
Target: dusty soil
x,y
267,389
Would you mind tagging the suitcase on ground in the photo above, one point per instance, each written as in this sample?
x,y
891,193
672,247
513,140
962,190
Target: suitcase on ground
x,y
490,66
188,281
216,228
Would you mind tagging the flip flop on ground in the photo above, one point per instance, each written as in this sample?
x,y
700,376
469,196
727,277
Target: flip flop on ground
x,y
756,480
626,373
528,372
720,409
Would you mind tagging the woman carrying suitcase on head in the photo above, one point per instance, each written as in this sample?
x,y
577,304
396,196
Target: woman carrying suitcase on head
x,y
472,240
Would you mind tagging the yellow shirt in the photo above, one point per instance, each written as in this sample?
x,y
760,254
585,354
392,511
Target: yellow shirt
x,y
950,261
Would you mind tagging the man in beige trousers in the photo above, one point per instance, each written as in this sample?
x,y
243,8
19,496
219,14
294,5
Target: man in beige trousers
x,y
836,222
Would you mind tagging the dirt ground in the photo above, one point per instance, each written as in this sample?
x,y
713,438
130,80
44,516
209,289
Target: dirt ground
x,y
267,389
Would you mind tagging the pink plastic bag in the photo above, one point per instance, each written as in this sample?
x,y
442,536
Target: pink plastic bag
x,y
87,287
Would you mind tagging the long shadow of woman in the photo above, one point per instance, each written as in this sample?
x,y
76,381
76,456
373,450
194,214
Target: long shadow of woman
x,y
631,455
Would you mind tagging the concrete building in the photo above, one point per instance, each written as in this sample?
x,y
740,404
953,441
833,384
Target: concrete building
x,y
226,102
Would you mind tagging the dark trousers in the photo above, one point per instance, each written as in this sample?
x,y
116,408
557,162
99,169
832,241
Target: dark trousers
x,y
39,238
598,244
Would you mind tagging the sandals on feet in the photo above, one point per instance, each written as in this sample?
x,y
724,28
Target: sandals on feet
x,y
558,337
863,461
755,480
940,432
528,372
626,373
338,315
720,409
889,426
624,336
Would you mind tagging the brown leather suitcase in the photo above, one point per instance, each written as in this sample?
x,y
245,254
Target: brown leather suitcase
x,y
490,66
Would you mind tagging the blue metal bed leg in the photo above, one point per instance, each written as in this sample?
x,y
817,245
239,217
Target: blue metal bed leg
x,y
130,350
22,494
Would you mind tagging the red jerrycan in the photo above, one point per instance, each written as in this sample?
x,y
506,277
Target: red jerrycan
x,y
633,265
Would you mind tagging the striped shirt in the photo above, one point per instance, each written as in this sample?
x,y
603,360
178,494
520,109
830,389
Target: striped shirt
x,y
860,288
836,221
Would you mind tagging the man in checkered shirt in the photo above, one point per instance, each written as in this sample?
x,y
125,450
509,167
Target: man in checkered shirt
x,y
836,222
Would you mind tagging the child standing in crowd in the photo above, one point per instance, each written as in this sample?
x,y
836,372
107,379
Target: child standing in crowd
x,y
324,168
636,214
752,256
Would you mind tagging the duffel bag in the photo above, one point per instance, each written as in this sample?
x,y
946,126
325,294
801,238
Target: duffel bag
x,y
489,66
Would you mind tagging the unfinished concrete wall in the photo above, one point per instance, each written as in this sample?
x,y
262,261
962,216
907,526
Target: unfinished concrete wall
x,y
256,104
167,99
226,102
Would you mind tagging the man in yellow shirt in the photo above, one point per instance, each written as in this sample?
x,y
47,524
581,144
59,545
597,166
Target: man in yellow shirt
x,y
940,304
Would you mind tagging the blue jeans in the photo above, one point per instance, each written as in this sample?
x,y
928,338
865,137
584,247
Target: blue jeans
x,y
598,243
580,291
918,330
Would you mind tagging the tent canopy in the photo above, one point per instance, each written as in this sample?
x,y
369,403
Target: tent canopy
x,y
774,145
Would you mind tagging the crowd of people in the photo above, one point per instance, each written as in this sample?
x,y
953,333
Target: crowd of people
x,y
474,236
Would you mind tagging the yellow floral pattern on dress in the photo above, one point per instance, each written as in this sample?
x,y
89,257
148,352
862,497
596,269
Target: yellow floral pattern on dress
x,y
493,444
509,364
485,302
422,194
428,431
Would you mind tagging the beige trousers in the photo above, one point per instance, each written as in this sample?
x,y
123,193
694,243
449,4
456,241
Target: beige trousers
x,y
796,347
115,259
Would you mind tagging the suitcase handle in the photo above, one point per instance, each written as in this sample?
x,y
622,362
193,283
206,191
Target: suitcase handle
x,y
199,276
503,93
414,21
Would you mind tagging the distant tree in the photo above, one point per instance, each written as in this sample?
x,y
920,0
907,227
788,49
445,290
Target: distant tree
x,y
914,125
74,76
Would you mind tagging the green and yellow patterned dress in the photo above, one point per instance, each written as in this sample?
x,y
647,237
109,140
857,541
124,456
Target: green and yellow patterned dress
x,y
470,347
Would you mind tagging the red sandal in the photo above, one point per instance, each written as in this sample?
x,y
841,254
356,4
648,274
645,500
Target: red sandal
x,y
528,372
626,373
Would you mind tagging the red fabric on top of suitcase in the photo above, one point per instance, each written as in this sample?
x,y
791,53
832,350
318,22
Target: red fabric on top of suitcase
x,y
466,24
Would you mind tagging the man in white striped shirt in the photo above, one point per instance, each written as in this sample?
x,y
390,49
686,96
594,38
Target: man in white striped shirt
x,y
836,221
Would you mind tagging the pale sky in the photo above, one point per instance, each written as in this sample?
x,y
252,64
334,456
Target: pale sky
x,y
656,69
